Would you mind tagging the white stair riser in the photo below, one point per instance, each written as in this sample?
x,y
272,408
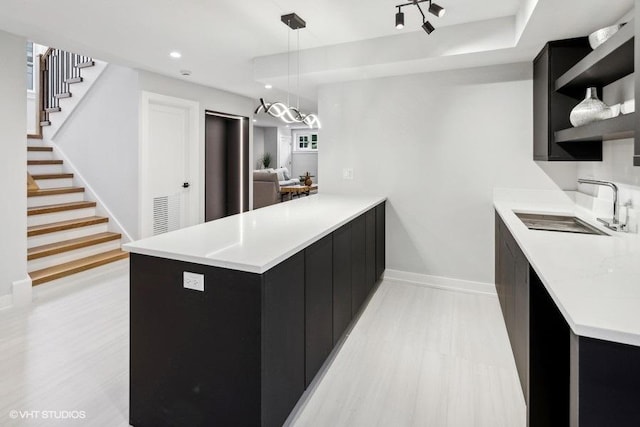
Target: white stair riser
x,y
54,183
60,216
83,278
50,261
40,155
54,199
44,169
45,239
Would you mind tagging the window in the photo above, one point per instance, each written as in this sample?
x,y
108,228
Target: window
x,y
306,141
30,73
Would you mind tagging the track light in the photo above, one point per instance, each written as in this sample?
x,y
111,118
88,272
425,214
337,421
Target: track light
x,y
428,27
434,9
399,19
437,10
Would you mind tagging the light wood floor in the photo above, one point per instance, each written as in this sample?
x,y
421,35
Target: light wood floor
x,y
417,357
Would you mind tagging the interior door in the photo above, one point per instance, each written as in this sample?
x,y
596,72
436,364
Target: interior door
x,y
168,183
284,151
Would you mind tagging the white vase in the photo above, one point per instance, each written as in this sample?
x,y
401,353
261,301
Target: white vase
x,y
590,110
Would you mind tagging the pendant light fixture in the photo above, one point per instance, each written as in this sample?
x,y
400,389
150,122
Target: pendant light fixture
x,y
286,112
434,9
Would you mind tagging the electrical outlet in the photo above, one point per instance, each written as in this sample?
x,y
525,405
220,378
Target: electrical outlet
x,y
347,173
193,281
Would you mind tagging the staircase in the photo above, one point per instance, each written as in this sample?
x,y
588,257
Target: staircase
x,y
64,234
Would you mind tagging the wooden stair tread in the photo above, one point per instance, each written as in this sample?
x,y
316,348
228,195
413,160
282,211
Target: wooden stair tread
x,y
60,207
43,162
52,176
37,230
54,191
39,277
62,95
71,244
39,148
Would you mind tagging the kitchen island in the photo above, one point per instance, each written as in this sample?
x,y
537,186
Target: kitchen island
x,y
232,319
571,304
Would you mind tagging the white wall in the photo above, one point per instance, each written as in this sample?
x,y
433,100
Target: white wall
x,y
101,140
436,144
258,146
209,99
617,157
271,144
303,162
13,165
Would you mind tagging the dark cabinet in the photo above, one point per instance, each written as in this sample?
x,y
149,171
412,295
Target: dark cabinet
x,y
283,340
358,264
380,240
605,378
318,267
341,281
370,250
551,109
512,287
566,379
243,351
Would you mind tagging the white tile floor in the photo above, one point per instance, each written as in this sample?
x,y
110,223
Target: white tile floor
x,y
417,357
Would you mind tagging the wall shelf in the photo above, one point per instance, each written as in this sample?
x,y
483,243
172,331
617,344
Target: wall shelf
x,y
620,127
611,61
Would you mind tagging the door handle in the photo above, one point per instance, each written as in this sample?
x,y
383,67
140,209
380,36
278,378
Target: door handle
x,y
186,185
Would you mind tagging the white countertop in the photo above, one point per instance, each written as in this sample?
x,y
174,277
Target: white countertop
x,y
255,241
594,280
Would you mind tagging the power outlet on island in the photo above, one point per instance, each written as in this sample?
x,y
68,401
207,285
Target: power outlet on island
x,y
193,281
347,173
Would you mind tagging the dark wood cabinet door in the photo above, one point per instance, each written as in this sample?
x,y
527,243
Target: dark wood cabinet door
x,y
341,281
358,264
283,338
318,305
380,240
520,335
370,249
185,369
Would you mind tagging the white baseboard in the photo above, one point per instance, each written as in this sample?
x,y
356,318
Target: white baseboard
x,y
21,294
441,282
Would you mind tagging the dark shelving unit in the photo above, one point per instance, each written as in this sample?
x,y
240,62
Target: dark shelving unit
x,y
620,127
611,61
562,73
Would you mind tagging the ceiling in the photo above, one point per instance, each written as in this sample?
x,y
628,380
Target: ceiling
x,y
240,45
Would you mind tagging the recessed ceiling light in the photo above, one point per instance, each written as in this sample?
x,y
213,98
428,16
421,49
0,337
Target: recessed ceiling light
x,y
254,120
268,86
185,73
175,54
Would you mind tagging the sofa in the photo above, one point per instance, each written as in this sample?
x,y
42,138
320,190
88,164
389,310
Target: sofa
x,y
266,189
266,186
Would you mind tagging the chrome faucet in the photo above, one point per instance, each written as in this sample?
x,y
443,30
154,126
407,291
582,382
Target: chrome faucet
x,y
614,223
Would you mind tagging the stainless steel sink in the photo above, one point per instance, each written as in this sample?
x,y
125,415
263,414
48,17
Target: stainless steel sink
x,y
561,223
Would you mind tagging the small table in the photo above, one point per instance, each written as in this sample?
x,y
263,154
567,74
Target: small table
x,y
291,190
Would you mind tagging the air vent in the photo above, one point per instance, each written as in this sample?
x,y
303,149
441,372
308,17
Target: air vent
x,y
166,213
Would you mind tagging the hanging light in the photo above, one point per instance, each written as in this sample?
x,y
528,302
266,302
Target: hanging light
x,y
285,112
399,19
434,9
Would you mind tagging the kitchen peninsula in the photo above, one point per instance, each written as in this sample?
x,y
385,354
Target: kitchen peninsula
x,y
232,319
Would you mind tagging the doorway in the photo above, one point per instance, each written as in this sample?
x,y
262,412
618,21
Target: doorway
x,y
226,184
168,164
